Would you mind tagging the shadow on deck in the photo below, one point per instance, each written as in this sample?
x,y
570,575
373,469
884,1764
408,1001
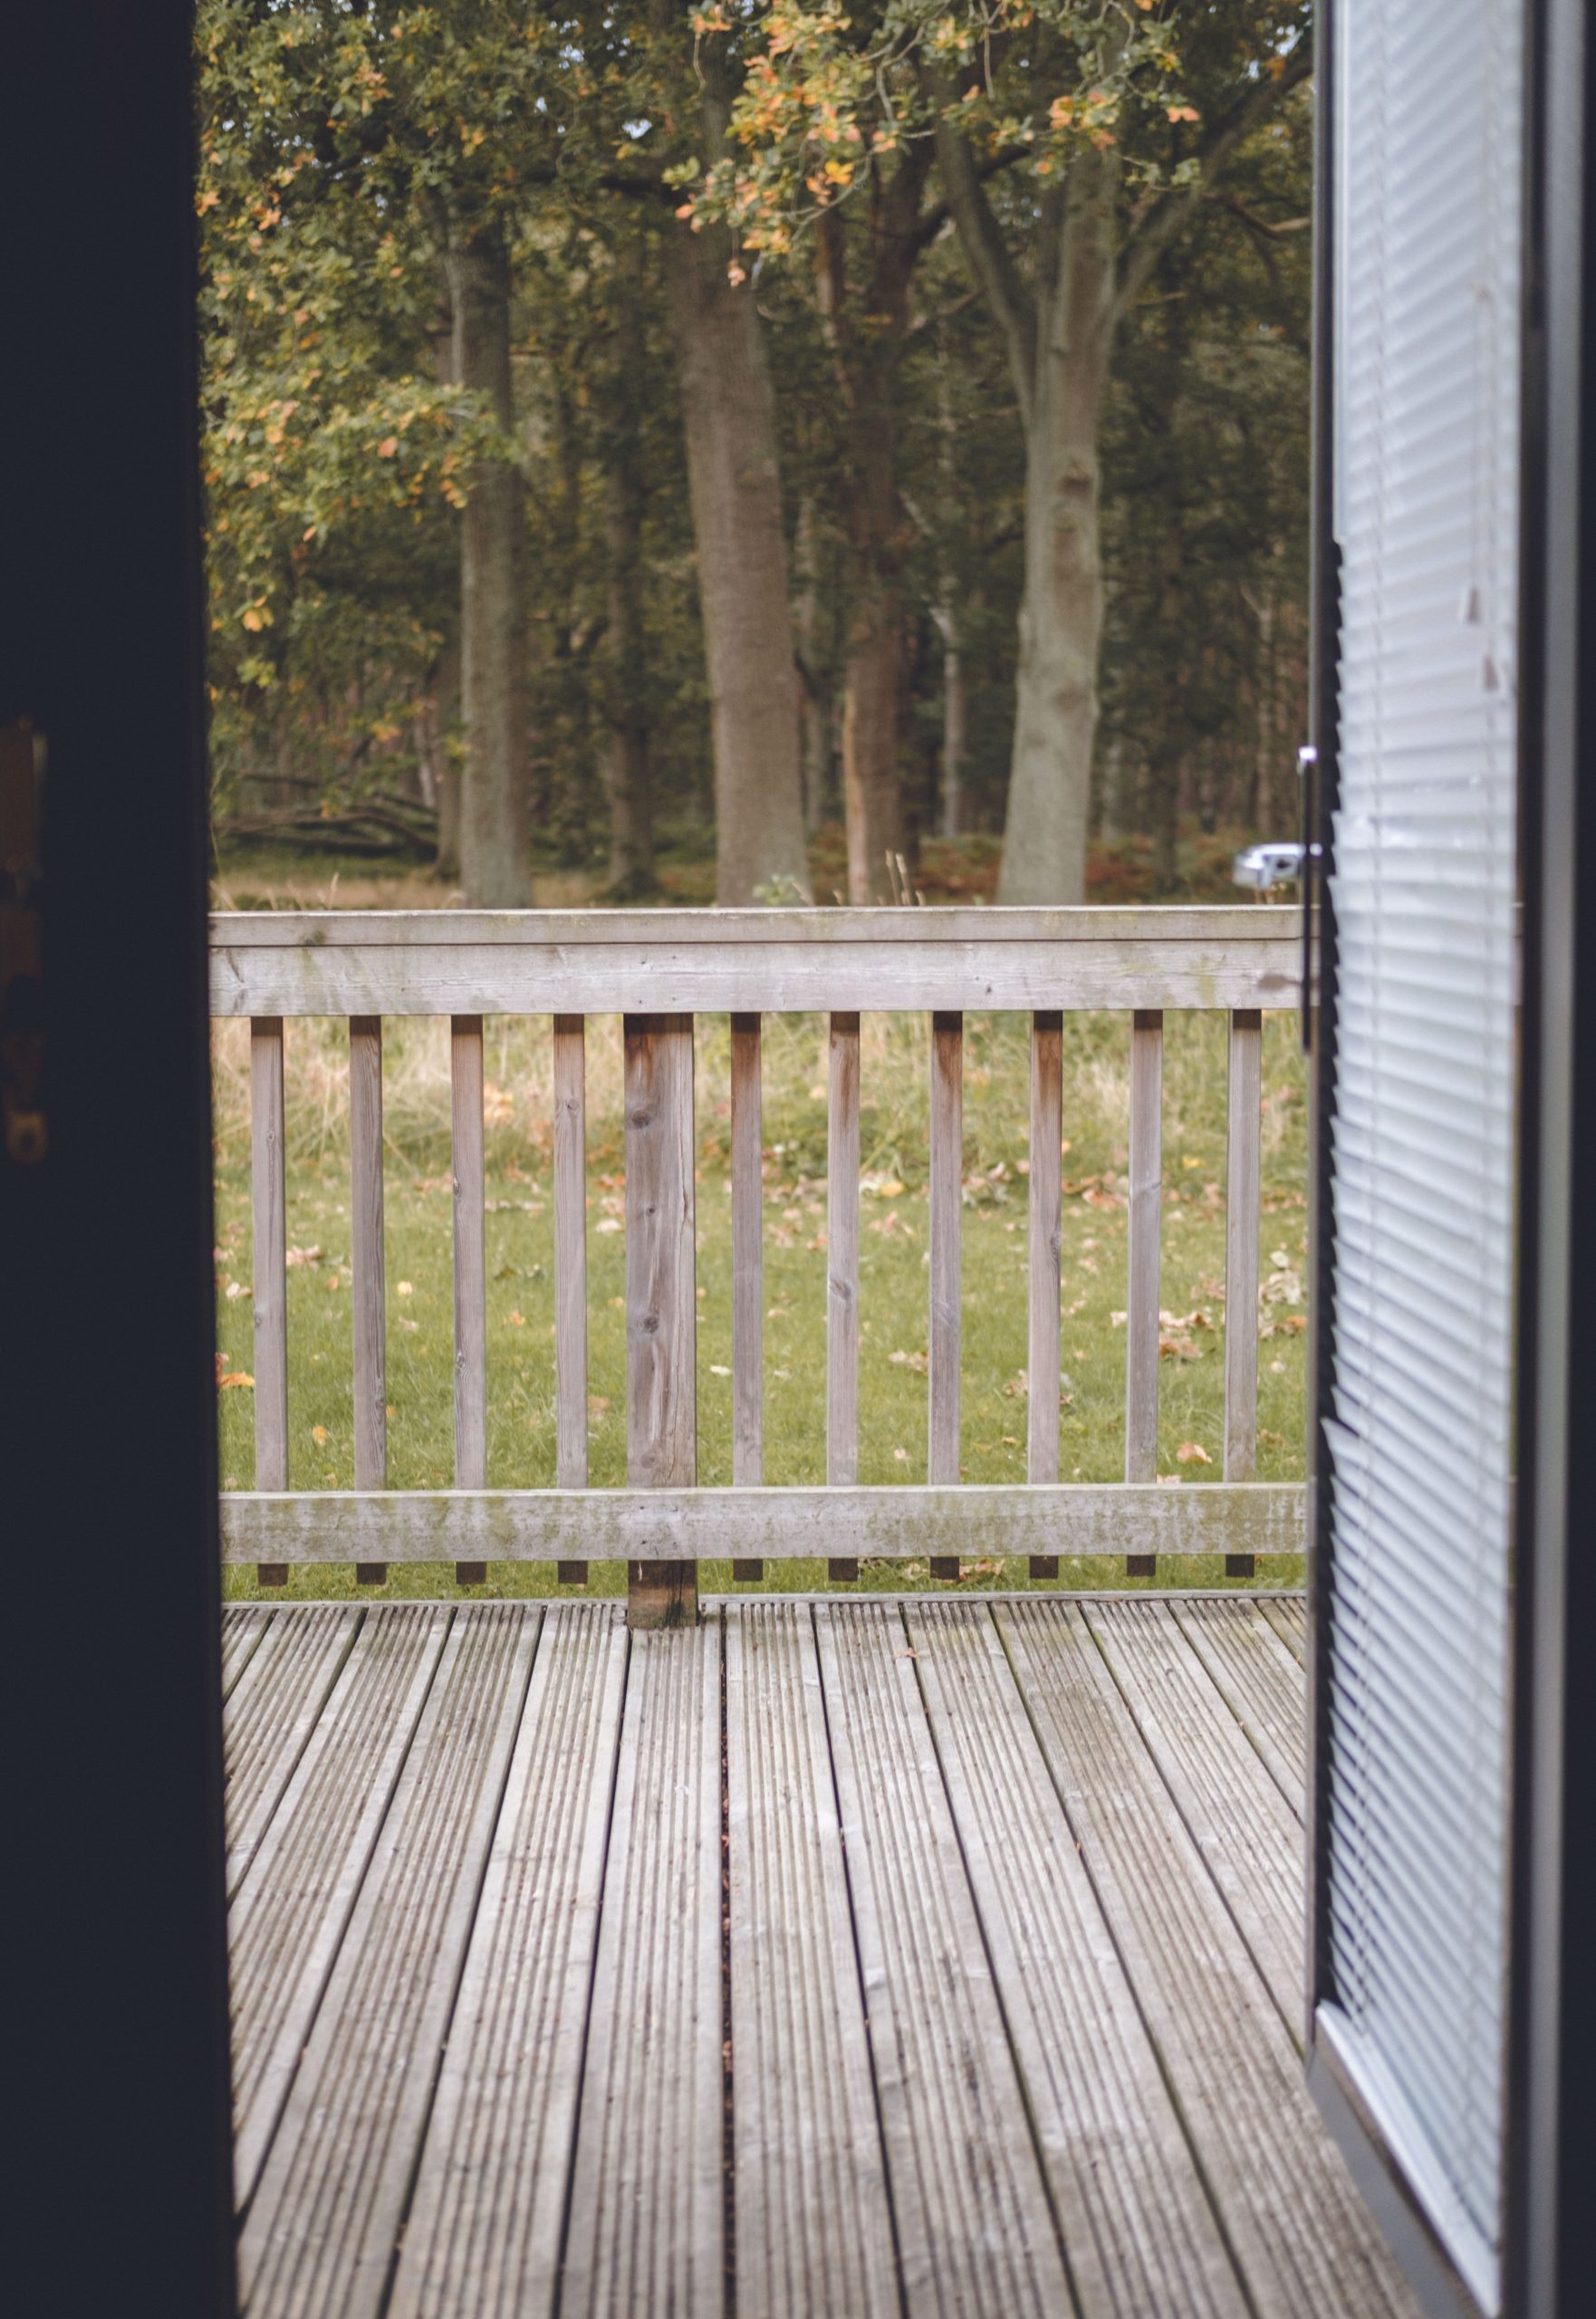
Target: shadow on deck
x,y
843,1957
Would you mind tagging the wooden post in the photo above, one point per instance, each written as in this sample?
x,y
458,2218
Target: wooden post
x,y
1141,1294
948,1137
1241,1260
661,1312
470,1271
269,1202
747,1270
843,1268
570,1267
370,1379
1045,1231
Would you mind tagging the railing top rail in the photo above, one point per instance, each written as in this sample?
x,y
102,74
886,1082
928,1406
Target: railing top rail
x,y
775,961
1137,922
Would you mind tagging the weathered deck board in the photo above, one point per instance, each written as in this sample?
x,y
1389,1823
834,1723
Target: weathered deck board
x,y
321,2231
1139,2234
1259,1678
1288,1615
1003,2048
482,2237
289,1918
243,1626
974,2228
646,2230
273,1709
1245,1830
814,2231
1294,2223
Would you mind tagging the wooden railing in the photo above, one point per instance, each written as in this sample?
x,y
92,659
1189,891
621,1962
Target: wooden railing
x,y
657,970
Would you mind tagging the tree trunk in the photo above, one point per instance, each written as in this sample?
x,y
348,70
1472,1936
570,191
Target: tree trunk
x,y
1116,791
282,747
629,770
872,704
954,717
814,706
871,800
494,865
443,717
729,412
1061,608
868,347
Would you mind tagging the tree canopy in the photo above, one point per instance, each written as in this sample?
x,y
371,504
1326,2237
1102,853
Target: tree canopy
x,y
697,426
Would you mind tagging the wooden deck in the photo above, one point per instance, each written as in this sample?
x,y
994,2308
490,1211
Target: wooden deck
x,y
845,1957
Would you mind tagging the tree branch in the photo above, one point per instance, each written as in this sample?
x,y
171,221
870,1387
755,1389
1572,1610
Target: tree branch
x,y
1250,218
938,216
986,252
1167,216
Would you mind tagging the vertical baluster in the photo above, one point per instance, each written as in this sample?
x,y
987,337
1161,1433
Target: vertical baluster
x,y
470,1271
1141,1300
661,1312
843,1268
1045,1236
570,1267
747,1272
365,1260
948,1140
1241,1259
269,1203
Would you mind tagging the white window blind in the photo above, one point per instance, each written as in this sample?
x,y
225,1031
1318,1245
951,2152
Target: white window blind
x,y
1419,1431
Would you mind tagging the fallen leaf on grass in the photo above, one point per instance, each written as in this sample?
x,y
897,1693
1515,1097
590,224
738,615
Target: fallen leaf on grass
x,y
715,1370
407,1288
1192,1453
608,1223
891,1225
318,1434
236,1377
304,1256
515,1319
918,1362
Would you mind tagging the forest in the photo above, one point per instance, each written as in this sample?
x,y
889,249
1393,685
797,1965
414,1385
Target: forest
x,y
860,451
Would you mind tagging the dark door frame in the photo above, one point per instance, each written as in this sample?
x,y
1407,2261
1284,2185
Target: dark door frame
x,y
116,2014
1549,2269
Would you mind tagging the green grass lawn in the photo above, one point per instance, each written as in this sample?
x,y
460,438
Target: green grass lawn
x,y
893,1266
